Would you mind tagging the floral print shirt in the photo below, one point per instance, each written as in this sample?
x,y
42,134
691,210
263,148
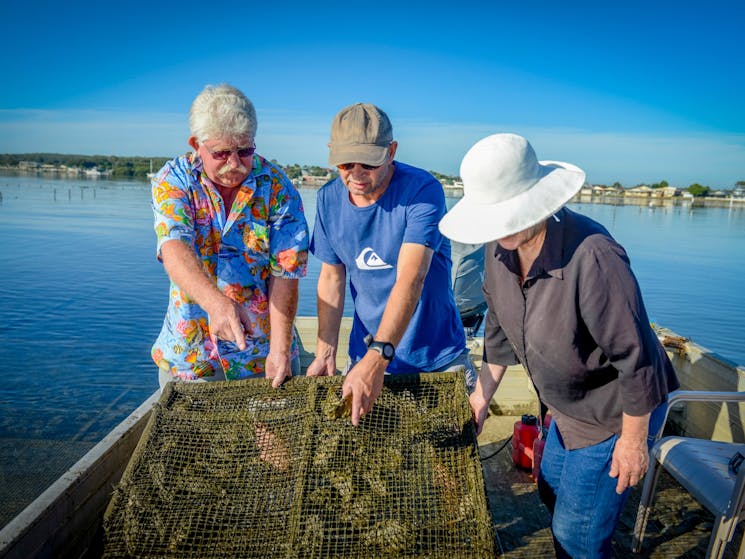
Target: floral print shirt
x,y
265,233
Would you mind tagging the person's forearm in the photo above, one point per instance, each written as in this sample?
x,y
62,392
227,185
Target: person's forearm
x,y
635,428
185,270
283,300
413,267
489,379
398,310
331,284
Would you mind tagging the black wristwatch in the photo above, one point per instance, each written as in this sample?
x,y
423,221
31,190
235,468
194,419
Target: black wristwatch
x,y
385,349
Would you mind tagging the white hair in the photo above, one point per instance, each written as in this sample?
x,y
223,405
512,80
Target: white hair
x,y
222,112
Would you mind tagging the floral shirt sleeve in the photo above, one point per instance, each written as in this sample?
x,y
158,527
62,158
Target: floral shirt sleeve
x,y
263,234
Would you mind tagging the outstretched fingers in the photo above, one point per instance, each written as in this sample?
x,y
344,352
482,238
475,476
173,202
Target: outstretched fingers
x,y
360,404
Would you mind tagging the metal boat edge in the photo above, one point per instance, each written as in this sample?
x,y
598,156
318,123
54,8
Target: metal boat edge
x,y
64,519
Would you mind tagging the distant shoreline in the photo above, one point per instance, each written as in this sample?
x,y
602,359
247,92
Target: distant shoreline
x,y
647,201
695,202
457,192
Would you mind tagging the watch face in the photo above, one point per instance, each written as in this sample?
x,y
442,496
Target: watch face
x,y
385,349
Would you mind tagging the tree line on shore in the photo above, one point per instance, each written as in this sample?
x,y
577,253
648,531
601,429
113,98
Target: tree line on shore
x,y
112,165
695,189
138,167
133,167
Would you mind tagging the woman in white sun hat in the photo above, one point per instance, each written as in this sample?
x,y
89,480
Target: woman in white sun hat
x,y
564,303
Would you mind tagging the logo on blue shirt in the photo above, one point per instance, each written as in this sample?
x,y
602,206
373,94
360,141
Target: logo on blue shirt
x,y
369,260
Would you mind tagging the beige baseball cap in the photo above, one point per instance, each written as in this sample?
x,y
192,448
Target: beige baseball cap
x,y
360,133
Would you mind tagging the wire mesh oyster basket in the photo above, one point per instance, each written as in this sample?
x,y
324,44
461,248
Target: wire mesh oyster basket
x,y
239,469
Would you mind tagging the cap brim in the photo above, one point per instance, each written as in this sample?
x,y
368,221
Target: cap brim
x,y
476,222
360,153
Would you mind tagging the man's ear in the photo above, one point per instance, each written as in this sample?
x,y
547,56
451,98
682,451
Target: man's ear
x,y
394,146
194,143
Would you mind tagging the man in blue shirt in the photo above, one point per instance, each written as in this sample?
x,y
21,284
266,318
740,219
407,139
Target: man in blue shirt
x,y
377,223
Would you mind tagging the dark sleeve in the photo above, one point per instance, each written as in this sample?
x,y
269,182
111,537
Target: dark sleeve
x,y
497,348
611,307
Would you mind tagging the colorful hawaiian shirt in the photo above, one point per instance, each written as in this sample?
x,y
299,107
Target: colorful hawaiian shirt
x,y
265,233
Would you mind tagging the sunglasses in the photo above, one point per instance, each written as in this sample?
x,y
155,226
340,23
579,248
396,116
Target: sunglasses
x,y
223,154
350,166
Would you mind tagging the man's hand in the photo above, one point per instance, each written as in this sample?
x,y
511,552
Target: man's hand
x,y
364,383
278,368
322,367
229,321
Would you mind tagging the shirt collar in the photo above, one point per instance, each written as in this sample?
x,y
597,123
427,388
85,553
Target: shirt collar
x,y
550,259
552,254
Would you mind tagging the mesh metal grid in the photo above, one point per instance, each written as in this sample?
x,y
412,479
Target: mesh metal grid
x,y
239,469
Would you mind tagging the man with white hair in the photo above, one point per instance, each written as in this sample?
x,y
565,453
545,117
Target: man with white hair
x,y
564,303
233,238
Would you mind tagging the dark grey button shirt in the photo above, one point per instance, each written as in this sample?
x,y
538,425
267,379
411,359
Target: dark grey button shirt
x,y
579,327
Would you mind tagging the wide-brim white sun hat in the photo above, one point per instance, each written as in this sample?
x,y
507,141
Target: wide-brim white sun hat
x,y
506,190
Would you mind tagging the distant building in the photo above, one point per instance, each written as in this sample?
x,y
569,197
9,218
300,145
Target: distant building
x,y
95,173
313,181
641,191
612,191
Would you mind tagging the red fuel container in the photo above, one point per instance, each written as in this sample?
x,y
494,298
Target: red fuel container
x,y
524,435
538,445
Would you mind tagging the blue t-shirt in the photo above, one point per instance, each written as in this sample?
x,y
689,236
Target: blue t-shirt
x,y
367,242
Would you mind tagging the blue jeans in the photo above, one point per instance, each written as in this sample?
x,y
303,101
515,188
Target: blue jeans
x,y
582,498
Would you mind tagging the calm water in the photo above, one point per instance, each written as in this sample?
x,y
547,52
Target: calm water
x,y
83,298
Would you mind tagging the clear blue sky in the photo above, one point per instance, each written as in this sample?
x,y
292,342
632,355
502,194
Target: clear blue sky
x,y
634,91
